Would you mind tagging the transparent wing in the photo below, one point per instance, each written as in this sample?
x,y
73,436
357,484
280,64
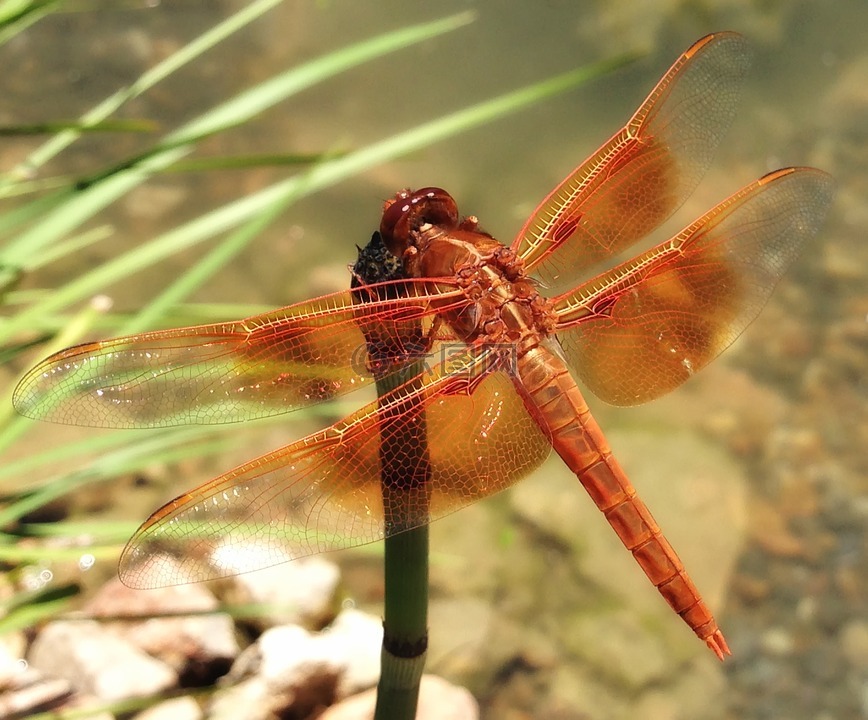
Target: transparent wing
x,y
639,177
227,372
645,327
325,492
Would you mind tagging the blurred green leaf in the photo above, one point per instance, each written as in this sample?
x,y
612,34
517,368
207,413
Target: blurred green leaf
x,y
49,128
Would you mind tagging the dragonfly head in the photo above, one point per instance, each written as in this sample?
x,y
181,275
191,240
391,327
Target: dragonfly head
x,y
409,210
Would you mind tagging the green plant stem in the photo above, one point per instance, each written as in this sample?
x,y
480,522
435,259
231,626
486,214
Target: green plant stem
x,y
405,479
406,616
405,484
406,568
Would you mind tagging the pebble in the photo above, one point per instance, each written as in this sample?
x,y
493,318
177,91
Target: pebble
x,y
199,647
302,592
438,700
96,661
854,644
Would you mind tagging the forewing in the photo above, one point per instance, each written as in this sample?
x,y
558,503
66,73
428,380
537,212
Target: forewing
x,y
227,372
645,327
639,177
324,492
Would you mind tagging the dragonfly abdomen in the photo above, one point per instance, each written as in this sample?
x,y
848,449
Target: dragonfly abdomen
x,y
559,407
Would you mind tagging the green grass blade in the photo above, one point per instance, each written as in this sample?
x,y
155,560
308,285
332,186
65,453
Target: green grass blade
x,y
325,175
169,446
52,128
72,245
236,111
247,162
18,15
33,610
31,554
102,531
211,263
159,72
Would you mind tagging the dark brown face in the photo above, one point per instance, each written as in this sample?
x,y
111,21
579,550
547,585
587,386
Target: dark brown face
x,y
409,210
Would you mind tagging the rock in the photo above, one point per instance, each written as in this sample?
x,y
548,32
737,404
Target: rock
x,y
656,704
359,638
614,636
289,656
854,643
777,642
695,492
697,691
467,550
770,532
248,699
28,692
616,646
511,669
12,662
180,708
585,694
301,592
460,636
98,662
291,671
438,700
199,647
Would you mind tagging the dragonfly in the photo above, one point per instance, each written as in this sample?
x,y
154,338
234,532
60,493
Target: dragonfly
x,y
504,332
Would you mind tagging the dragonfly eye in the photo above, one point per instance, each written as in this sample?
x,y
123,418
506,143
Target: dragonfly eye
x,y
410,210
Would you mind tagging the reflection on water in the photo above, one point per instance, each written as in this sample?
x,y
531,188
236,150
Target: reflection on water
x,y
788,402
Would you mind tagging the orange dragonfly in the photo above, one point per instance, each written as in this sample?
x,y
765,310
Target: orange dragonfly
x,y
497,392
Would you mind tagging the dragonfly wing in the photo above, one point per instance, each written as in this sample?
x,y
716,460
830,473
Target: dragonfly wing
x,y
325,491
639,177
226,372
646,326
